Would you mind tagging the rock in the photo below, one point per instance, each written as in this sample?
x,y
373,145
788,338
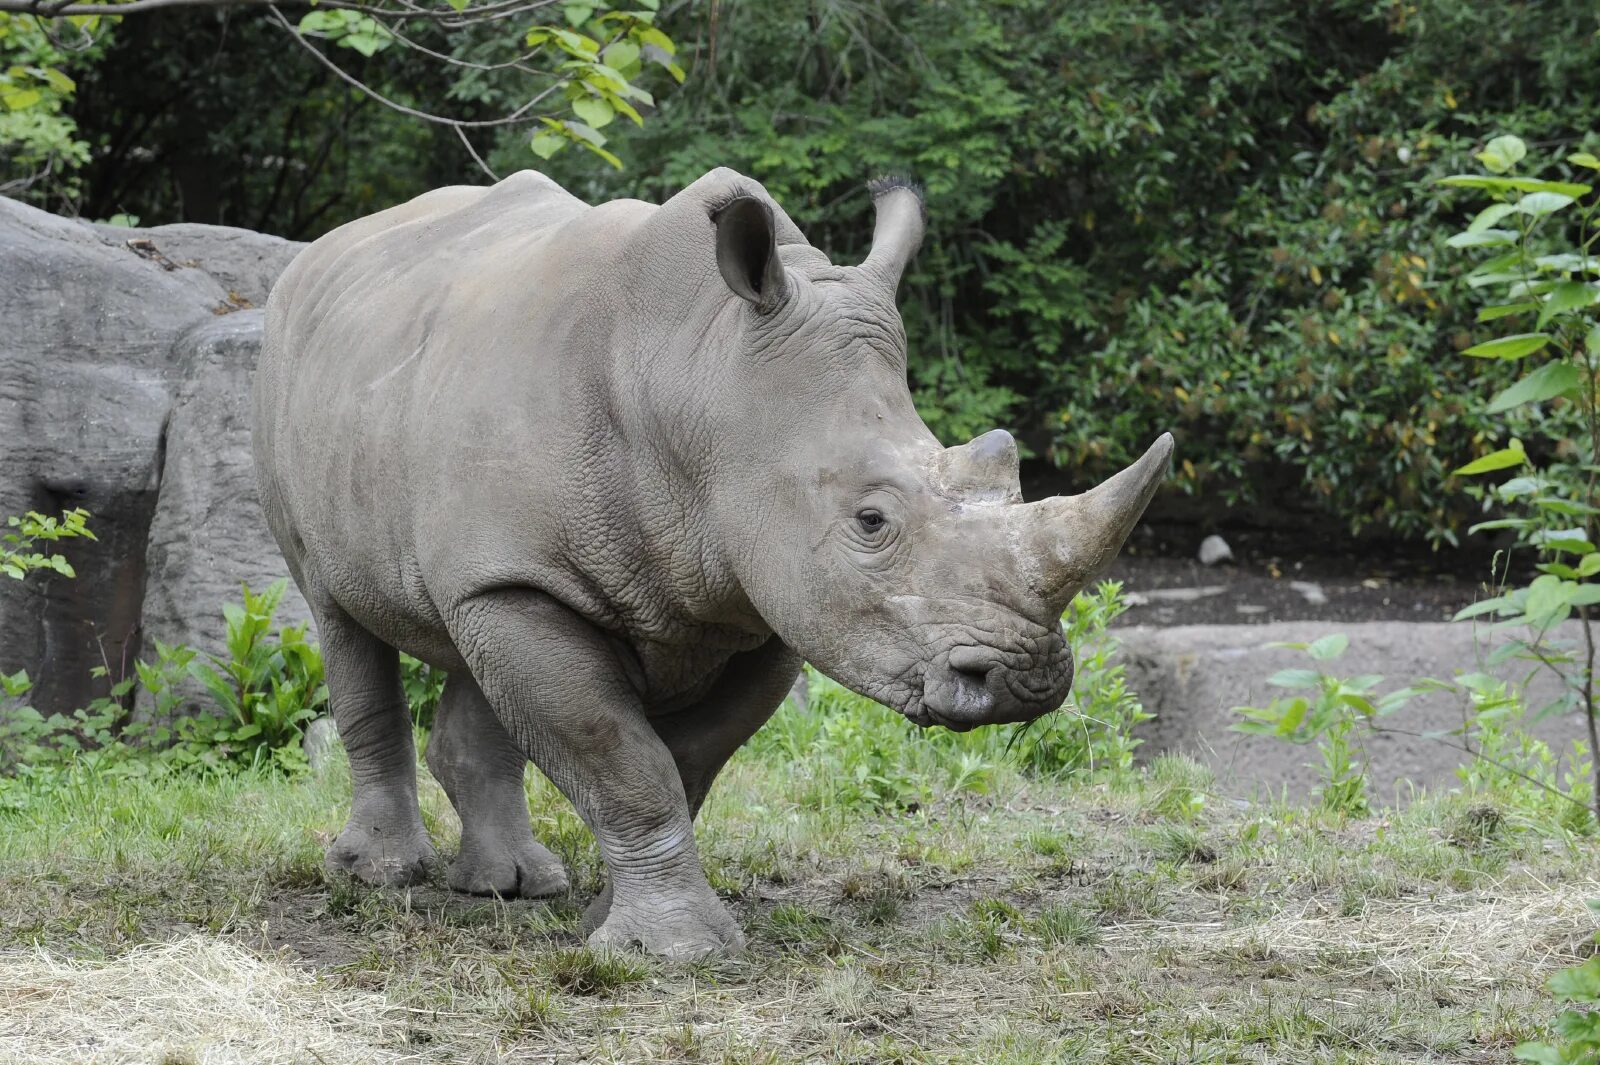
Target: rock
x,y
1214,549
320,741
1310,591
110,356
207,534
1192,676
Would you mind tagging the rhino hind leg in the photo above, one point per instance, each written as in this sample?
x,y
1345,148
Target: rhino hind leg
x,y
383,841
481,770
556,684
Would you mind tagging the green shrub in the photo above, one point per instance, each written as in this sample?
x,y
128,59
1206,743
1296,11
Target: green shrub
x,y
1147,216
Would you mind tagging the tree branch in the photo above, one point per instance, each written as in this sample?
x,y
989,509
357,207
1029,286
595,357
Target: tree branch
x,y
515,118
445,14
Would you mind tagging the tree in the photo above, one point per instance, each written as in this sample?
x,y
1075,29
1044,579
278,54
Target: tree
x,y
575,66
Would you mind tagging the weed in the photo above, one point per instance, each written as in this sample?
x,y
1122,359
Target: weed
x,y
1066,925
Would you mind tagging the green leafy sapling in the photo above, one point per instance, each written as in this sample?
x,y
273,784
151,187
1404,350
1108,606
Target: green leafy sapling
x,y
19,548
1538,237
1337,714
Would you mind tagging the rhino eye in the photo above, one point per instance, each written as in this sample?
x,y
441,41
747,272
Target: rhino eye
x,y
871,521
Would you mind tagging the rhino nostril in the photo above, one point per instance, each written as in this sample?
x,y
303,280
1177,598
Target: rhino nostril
x,y
972,662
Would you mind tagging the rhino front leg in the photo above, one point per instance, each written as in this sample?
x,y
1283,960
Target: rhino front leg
x,y
704,736
559,688
481,770
383,842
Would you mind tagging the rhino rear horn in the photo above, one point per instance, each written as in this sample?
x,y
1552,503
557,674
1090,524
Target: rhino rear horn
x,y
898,232
747,251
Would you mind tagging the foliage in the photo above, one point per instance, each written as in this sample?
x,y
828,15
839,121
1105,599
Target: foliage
x,y
1337,716
18,554
263,690
423,686
1577,1028
266,686
209,117
1535,239
855,753
1143,217
40,144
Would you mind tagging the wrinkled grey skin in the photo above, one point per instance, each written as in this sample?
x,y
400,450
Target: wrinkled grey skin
x,y
617,469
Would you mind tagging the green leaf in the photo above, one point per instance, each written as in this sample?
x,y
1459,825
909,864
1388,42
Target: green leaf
x,y
1548,381
1539,204
1295,678
1483,606
547,143
587,133
1503,459
1490,215
20,99
1502,310
1517,346
1539,1054
1581,983
577,14
1502,153
1589,566
621,55
1503,184
1329,647
1565,297
594,111
1483,238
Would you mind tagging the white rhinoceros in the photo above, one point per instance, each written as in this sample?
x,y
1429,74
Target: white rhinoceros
x,y
617,468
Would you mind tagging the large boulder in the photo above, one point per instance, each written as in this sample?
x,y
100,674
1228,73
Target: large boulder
x,y
125,363
1191,677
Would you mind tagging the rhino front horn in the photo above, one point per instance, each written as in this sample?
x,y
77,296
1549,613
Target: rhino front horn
x,y
1074,538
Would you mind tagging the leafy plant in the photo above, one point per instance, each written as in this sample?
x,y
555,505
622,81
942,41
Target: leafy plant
x,y
1536,236
267,686
18,554
1577,1028
423,686
1337,716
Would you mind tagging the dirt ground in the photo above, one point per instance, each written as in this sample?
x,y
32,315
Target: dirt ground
x,y
1278,577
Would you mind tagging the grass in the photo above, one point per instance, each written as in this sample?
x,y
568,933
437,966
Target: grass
x,y
1134,918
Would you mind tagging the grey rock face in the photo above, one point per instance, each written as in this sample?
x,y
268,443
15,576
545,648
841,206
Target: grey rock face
x,y
124,354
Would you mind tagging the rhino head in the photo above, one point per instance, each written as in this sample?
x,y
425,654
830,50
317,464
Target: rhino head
x,y
909,572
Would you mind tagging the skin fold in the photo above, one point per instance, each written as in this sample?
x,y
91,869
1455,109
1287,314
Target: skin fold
x,y
618,469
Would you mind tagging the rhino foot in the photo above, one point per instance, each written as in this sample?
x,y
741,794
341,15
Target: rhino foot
x,y
696,928
522,870
385,858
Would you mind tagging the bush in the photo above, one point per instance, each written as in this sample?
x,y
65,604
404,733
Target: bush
x,y
1145,216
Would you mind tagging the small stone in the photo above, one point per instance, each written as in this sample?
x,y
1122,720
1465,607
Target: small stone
x,y
1310,591
321,737
1214,549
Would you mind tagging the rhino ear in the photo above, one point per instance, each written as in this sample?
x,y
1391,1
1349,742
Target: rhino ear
x,y
747,251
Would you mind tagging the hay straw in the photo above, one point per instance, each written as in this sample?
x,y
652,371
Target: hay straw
x,y
199,1001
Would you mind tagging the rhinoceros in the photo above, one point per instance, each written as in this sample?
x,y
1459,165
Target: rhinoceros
x,y
618,469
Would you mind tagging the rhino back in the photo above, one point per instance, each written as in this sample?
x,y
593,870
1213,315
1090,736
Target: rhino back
x,y
418,364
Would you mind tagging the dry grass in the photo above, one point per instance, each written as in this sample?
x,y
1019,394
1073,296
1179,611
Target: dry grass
x,y
198,1000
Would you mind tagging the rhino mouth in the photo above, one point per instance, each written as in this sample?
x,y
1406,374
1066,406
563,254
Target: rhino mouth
x,y
971,685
